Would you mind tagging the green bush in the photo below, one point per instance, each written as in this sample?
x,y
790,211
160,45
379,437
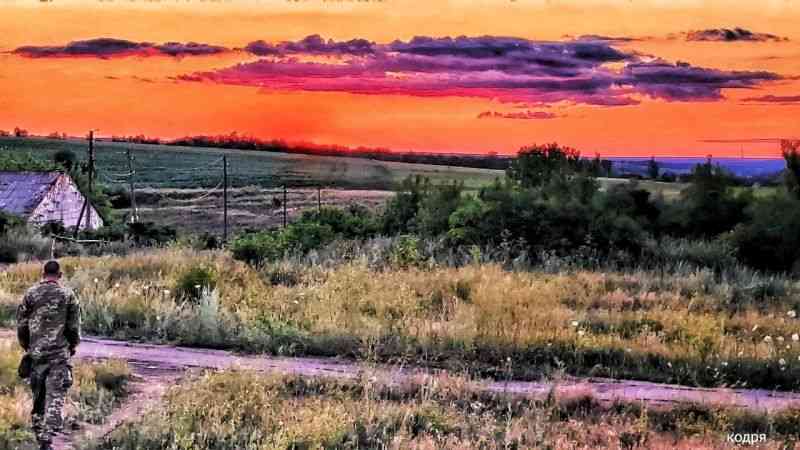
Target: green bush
x,y
351,223
194,282
769,240
406,252
148,233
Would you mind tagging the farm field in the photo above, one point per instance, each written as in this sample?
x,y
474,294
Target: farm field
x,y
199,210
162,166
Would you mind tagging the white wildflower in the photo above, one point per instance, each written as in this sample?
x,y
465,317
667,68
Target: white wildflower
x,y
780,338
724,363
116,285
197,286
796,337
669,364
581,333
574,323
782,362
792,314
96,281
767,339
166,291
755,327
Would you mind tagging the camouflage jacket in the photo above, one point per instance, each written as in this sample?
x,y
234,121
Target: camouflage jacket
x,y
49,322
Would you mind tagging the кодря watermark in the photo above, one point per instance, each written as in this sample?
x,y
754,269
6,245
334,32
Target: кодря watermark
x,y
747,438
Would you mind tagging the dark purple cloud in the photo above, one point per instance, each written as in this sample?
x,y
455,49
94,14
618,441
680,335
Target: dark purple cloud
x,y
597,37
189,49
775,99
313,45
525,115
508,69
110,47
731,35
683,82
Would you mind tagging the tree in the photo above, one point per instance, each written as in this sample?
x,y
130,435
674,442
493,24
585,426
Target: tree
x,y
653,168
791,154
19,132
536,165
65,158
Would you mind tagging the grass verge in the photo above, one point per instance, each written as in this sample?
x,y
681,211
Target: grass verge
x,y
248,411
98,388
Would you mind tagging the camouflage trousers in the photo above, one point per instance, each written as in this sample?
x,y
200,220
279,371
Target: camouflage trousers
x,y
50,382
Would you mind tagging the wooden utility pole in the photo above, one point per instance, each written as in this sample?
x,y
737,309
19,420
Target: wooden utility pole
x,y
131,174
284,206
225,199
85,207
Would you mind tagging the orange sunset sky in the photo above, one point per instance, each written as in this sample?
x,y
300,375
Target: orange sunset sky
x,y
615,77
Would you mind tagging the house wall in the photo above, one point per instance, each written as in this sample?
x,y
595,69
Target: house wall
x,y
63,204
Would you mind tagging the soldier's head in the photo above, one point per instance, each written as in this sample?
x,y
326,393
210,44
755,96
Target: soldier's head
x,y
52,270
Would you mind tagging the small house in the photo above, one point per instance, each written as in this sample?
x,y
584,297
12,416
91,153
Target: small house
x,y
42,197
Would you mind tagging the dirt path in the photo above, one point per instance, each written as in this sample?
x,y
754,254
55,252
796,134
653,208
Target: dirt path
x,y
166,359
159,366
146,392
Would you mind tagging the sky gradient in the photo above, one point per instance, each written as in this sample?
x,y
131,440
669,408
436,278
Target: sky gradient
x,y
618,78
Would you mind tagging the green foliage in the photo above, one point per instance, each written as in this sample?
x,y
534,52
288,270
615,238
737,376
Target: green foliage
x,y
148,233
400,213
770,239
406,252
298,237
708,207
314,230
353,222
9,221
193,283
13,161
66,158
538,164
791,154
436,207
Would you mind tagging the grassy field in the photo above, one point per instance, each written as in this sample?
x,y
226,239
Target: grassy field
x,y
161,166
98,388
688,327
247,411
193,167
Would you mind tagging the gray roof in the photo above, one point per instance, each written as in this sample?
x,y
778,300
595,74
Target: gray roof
x,y
21,192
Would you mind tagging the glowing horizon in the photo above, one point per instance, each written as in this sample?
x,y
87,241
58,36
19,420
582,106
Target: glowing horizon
x,y
684,78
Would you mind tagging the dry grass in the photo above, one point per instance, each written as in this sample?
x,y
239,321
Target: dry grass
x,y
693,329
248,411
97,390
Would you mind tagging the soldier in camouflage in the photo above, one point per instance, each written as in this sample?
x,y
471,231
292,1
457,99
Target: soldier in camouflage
x,y
49,329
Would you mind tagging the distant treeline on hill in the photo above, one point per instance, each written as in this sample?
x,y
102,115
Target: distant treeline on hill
x,y
239,142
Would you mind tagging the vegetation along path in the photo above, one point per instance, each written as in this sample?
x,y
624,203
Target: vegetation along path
x,y
159,366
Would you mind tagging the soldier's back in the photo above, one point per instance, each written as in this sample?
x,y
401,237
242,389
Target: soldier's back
x,y
48,305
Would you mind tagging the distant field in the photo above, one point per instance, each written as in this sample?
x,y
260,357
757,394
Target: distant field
x,y
161,166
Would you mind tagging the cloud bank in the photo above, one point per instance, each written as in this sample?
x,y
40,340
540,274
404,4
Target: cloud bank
x,y
583,71
775,99
110,47
731,35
